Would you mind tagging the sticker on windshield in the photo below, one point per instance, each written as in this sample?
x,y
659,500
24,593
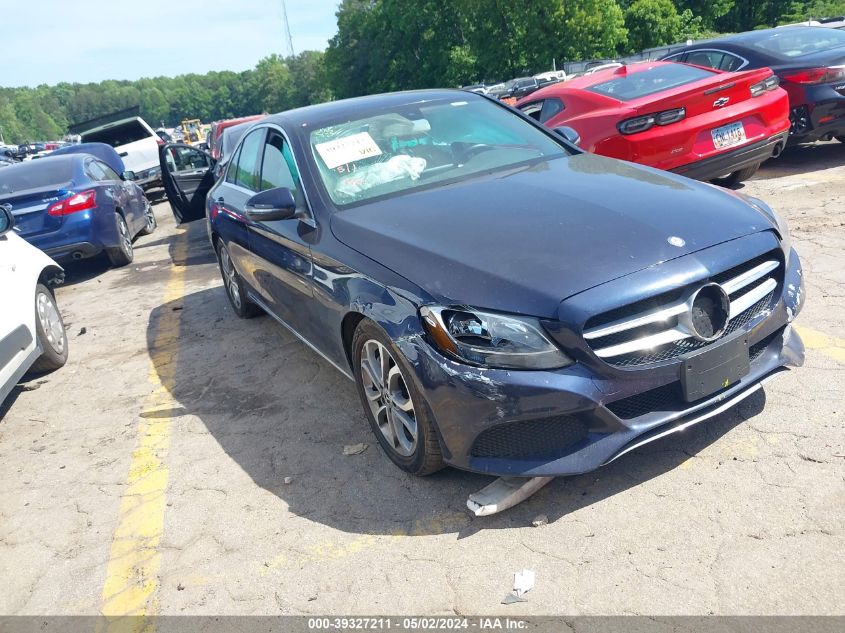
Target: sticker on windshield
x,y
348,149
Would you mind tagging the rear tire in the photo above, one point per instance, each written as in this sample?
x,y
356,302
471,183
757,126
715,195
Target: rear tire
x,y
736,177
398,414
50,332
234,285
123,253
150,218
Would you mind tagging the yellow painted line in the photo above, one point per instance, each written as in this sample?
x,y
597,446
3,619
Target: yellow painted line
x,y
827,345
132,575
344,546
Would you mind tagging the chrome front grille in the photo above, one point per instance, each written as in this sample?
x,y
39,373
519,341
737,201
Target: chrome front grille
x,y
654,330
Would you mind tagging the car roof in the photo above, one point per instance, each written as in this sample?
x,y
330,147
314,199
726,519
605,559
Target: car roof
x,y
314,114
750,37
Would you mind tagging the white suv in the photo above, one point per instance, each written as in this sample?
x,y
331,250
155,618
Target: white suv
x,y
135,141
32,334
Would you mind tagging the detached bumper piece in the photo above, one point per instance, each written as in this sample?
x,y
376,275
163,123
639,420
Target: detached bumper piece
x,y
734,160
504,493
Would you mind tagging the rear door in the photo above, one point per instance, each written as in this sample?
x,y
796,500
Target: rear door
x,y
187,174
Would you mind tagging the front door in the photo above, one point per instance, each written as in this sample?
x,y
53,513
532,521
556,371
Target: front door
x,y
280,248
187,175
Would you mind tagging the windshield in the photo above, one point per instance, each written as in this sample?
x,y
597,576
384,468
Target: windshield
x,y
796,42
392,151
42,173
640,83
118,135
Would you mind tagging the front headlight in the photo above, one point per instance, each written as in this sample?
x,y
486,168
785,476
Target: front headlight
x,y
779,221
492,340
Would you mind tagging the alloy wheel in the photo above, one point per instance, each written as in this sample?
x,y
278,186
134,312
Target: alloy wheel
x,y
51,321
389,398
150,217
230,277
125,238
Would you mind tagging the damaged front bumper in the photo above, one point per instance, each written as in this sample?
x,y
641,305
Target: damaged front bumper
x,y
569,421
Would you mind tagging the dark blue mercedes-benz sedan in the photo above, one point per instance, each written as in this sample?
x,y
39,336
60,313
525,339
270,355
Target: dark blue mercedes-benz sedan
x,y
504,302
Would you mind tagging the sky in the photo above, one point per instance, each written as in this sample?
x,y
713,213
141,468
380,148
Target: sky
x,y
50,41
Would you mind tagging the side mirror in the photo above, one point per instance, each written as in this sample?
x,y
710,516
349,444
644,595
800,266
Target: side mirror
x,y
568,134
128,175
7,220
273,204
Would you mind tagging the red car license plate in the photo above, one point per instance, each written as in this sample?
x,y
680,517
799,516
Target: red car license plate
x,y
727,135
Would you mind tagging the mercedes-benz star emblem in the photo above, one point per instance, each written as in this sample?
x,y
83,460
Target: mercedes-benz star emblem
x,y
676,241
709,309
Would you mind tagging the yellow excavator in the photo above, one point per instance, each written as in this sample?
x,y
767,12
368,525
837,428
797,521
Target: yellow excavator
x,y
192,131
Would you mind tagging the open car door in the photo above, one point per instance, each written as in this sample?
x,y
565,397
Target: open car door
x,y
187,173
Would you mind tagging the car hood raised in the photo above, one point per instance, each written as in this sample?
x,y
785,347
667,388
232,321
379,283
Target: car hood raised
x,y
523,240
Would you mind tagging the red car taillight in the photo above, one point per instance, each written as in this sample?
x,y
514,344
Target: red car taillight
x,y
77,202
762,87
815,75
643,123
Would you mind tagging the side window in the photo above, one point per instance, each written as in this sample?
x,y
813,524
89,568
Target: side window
x,y
94,170
232,169
731,62
533,109
551,107
278,168
708,59
677,57
248,161
108,172
180,158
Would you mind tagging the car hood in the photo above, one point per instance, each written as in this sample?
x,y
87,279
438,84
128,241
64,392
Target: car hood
x,y
523,240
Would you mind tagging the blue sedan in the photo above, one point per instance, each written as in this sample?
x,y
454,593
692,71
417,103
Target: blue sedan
x,y
504,302
76,206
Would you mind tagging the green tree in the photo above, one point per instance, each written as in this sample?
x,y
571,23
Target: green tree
x,y
593,29
707,10
652,23
800,11
309,83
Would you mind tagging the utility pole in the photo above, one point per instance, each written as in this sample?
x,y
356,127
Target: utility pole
x,y
289,40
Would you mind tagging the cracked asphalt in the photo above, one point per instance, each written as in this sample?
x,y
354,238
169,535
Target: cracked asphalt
x,y
149,472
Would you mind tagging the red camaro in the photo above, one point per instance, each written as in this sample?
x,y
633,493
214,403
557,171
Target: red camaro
x,y
695,121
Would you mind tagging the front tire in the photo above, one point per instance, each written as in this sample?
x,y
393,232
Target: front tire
x,y
50,332
396,410
234,285
738,176
123,253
